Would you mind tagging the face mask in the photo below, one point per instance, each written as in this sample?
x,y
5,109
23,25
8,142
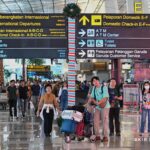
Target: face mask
x,y
147,87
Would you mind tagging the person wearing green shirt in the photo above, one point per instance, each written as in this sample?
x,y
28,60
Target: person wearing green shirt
x,y
99,95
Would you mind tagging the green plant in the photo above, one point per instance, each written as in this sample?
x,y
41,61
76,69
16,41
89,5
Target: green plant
x,y
72,10
36,62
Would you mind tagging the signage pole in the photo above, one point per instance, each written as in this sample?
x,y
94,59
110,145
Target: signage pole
x,y
72,62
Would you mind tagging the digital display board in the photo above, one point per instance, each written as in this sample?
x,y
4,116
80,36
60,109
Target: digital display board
x,y
38,71
33,36
113,36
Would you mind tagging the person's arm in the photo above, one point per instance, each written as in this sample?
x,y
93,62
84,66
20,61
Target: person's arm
x,y
105,96
55,103
119,96
7,91
141,101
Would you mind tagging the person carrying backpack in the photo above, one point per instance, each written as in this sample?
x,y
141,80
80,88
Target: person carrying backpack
x,y
99,98
114,113
63,96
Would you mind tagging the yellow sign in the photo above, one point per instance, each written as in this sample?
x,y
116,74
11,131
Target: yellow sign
x,y
84,20
96,20
138,7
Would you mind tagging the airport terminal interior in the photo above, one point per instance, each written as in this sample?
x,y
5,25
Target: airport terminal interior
x,y
43,49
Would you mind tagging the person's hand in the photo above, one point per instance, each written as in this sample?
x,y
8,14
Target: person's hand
x,y
93,101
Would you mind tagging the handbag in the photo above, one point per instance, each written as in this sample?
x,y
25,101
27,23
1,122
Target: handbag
x,y
103,104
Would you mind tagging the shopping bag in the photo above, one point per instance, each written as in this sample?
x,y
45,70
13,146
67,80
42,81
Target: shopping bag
x,y
67,114
31,105
77,116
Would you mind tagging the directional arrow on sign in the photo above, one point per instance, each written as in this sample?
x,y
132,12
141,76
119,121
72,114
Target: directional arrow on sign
x,y
84,20
82,53
82,43
82,32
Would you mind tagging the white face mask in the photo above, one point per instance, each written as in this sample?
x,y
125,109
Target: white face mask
x,y
147,87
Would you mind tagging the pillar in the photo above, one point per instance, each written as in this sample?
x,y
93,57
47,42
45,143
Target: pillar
x,y
1,72
116,69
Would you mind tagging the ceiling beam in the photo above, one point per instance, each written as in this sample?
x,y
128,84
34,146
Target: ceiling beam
x,y
53,6
86,5
30,6
42,6
99,5
18,6
6,6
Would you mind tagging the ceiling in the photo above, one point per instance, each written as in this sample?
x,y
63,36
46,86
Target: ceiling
x,y
56,6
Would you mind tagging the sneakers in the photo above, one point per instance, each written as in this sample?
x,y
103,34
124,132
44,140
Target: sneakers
x,y
94,138
98,138
105,139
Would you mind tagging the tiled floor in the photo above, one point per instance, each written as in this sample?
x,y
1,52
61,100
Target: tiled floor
x,y
24,134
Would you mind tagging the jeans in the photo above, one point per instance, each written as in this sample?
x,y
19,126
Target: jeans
x,y
35,100
104,114
143,119
114,115
64,105
23,106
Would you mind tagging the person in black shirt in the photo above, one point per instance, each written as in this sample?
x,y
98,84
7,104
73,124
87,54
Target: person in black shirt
x,y
23,94
114,98
35,94
12,96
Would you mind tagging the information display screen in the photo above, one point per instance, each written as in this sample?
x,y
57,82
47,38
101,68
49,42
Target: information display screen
x,y
33,36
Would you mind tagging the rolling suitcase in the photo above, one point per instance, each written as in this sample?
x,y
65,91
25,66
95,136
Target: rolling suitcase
x,y
68,126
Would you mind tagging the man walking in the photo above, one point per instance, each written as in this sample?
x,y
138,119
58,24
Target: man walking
x,y
114,99
12,98
23,94
35,94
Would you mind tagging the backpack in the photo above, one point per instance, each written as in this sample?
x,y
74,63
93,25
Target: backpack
x,y
102,105
87,117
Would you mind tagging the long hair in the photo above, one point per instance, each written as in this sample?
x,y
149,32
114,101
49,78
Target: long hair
x,y
144,87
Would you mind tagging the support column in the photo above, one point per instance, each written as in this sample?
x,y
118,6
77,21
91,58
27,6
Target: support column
x,y
1,72
23,68
116,70
72,62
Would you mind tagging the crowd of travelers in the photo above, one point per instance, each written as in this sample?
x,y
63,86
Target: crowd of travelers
x,y
48,99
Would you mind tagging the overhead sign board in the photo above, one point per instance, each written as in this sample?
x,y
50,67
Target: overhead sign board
x,y
33,36
113,36
38,71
